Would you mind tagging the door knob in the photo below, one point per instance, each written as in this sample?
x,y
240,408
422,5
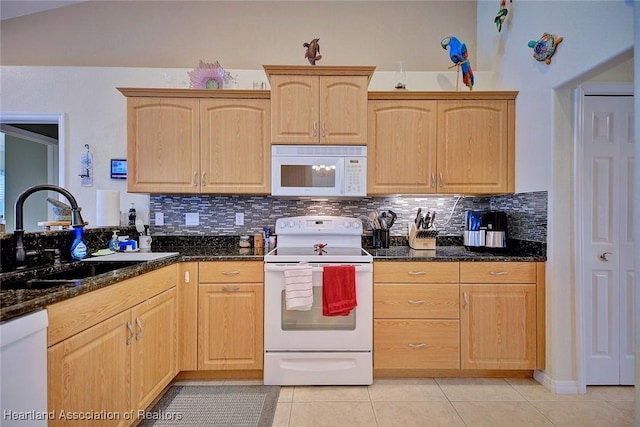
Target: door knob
x,y
603,256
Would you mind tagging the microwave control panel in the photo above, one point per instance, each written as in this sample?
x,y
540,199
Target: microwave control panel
x,y
355,169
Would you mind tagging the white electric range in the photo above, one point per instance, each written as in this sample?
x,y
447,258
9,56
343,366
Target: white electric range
x,y
307,347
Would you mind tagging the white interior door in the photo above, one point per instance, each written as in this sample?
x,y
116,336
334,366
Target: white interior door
x,y
608,250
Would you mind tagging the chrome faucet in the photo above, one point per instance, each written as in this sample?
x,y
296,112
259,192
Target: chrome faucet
x,y
76,218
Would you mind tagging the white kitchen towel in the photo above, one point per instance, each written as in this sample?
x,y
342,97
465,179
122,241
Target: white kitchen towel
x,y
298,287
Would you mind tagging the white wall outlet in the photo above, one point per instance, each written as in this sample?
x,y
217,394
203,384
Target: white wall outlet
x,y
159,217
239,218
192,218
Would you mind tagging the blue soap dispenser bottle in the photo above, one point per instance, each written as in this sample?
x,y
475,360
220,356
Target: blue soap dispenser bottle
x,y
78,247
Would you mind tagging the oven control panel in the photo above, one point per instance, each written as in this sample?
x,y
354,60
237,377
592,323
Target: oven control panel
x,y
319,225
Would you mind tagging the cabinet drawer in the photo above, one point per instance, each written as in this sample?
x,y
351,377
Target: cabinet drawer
x,y
415,301
416,344
231,272
415,272
498,272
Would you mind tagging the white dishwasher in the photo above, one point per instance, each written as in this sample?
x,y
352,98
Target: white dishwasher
x,y
23,372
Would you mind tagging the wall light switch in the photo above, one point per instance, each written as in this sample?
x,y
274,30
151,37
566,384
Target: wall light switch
x,y
159,216
192,218
239,218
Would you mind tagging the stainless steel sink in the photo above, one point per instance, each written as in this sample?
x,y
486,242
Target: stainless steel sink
x,y
71,275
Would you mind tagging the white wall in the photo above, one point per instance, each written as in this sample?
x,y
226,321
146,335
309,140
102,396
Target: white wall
x,y
595,33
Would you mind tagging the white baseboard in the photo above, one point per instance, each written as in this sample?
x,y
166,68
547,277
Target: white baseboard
x,y
554,386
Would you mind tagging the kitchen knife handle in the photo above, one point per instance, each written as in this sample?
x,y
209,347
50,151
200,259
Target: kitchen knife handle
x,y
324,129
315,128
130,328
231,288
433,180
203,180
465,300
139,323
416,302
417,346
195,178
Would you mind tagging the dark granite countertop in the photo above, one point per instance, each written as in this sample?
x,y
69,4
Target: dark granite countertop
x,y
17,302
452,253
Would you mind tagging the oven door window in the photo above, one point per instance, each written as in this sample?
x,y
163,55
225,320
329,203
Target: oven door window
x,y
313,320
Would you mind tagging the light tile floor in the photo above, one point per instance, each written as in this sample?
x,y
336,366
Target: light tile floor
x,y
451,402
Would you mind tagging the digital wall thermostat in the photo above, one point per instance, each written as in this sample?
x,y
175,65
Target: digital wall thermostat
x,y
118,168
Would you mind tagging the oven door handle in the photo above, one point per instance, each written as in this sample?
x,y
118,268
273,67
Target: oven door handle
x,y
315,267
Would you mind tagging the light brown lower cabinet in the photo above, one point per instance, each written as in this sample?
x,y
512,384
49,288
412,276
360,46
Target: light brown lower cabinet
x,y
457,316
112,351
230,316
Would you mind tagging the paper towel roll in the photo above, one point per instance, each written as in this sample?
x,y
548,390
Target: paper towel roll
x,y
107,208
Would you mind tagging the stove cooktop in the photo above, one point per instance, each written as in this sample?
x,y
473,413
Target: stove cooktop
x,y
318,254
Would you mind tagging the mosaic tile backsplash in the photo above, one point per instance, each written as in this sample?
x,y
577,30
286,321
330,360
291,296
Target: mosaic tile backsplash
x,y
526,212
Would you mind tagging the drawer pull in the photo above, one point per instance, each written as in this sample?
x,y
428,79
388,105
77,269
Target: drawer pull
x,y
415,273
139,323
416,302
231,288
498,273
195,178
130,328
465,300
417,346
230,273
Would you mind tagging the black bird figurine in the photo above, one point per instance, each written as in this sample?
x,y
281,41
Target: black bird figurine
x,y
313,51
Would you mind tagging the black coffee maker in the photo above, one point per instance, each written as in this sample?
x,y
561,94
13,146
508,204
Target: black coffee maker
x,y
485,229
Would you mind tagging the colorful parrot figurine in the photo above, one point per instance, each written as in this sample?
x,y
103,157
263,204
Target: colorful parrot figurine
x,y
460,56
502,14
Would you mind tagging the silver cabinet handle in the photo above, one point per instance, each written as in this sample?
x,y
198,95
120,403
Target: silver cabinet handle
x,y
195,179
465,300
324,129
130,328
417,346
441,180
231,288
203,179
415,273
315,128
603,257
498,273
139,323
231,273
416,302
433,180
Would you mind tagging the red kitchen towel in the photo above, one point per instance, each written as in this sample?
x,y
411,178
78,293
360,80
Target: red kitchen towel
x,y
338,290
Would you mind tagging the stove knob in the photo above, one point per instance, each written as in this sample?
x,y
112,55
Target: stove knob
x,y
346,224
291,224
357,224
281,224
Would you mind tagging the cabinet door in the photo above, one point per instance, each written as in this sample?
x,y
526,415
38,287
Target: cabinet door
x,y
343,110
498,326
401,153
295,101
473,147
153,359
230,326
234,138
187,316
163,145
89,373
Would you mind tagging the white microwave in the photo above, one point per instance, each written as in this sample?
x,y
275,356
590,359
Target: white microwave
x,y
319,170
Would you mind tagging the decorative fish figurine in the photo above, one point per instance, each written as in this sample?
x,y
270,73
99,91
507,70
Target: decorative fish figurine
x,y
313,51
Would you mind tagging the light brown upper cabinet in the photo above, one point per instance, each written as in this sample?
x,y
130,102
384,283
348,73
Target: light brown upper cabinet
x,y
319,104
441,142
198,141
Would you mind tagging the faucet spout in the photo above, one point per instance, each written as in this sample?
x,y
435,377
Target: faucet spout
x,y
76,217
